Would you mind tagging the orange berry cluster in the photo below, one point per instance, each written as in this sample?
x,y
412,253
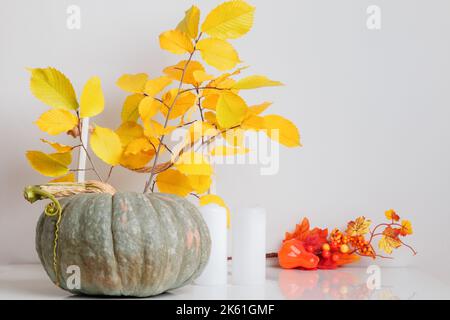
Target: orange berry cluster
x,y
344,242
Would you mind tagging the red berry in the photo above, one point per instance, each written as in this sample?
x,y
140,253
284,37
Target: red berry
x,y
309,248
326,254
335,257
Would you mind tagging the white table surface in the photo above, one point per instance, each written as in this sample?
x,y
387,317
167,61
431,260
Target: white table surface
x,y
31,282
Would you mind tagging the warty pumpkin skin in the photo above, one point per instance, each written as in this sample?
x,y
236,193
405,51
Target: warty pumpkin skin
x,y
126,244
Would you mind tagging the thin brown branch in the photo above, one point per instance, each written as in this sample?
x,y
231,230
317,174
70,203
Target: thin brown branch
x,y
152,174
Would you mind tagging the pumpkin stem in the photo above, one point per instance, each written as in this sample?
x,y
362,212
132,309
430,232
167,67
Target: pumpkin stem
x,y
65,189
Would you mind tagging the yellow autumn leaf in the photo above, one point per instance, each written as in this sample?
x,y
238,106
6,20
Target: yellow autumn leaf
x,y
155,86
253,82
212,198
224,151
253,122
183,103
387,244
134,83
173,182
57,146
92,101
64,158
46,164
406,228
56,121
137,153
282,130
200,184
189,25
53,88
200,129
235,137
130,109
176,42
230,110
391,215
218,53
201,76
153,128
229,20
175,72
129,131
70,177
359,227
210,101
193,163
210,117
259,108
106,145
149,107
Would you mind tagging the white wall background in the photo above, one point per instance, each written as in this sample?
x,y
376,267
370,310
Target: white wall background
x,y
372,107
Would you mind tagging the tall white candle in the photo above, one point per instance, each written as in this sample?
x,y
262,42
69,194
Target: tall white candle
x,y
82,153
249,246
215,272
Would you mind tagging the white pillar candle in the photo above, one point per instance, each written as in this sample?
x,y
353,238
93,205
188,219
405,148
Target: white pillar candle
x,y
249,246
82,153
215,272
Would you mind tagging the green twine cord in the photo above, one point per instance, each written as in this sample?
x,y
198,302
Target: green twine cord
x,y
35,193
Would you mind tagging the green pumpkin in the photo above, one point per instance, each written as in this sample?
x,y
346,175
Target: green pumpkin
x,y
125,244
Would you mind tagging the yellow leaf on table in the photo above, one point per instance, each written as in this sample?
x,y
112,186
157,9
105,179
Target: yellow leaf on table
x,y
183,103
56,121
176,71
173,182
130,109
259,108
212,198
176,42
193,163
230,110
282,130
229,20
53,88
57,146
92,101
224,151
189,24
106,145
201,76
155,86
137,153
45,164
218,53
149,107
70,177
134,83
200,184
253,82
129,131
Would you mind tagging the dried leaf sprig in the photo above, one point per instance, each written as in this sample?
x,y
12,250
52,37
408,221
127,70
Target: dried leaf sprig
x,y
315,248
